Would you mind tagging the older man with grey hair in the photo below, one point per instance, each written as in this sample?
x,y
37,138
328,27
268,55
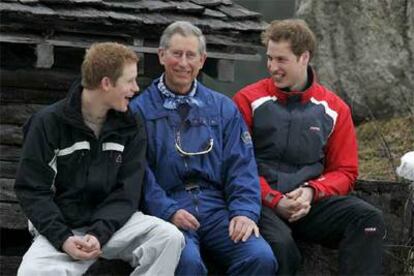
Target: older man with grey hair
x,y
200,155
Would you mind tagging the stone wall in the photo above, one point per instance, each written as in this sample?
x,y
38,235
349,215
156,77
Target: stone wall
x,y
365,53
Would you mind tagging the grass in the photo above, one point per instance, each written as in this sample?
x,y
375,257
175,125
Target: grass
x,y
381,145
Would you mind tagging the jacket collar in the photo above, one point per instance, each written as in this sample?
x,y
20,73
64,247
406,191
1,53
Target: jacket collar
x,y
302,96
153,101
73,115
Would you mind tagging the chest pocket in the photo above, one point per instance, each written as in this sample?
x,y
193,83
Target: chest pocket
x,y
198,135
314,130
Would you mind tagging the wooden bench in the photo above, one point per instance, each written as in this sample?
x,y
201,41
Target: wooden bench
x,y
394,199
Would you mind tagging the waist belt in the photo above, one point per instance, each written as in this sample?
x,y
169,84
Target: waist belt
x,y
192,185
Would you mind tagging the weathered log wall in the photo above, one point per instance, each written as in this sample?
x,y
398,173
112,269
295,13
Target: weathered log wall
x,y
24,91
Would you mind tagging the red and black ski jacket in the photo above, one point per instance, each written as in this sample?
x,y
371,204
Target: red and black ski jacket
x,y
300,138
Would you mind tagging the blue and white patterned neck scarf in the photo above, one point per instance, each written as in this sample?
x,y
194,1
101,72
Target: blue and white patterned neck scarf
x,y
172,100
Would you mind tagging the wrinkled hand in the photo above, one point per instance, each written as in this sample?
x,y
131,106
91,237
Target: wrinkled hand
x,y
185,220
80,249
288,206
304,195
92,243
241,227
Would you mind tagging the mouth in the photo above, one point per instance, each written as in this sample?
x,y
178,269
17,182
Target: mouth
x,y
128,98
182,73
278,77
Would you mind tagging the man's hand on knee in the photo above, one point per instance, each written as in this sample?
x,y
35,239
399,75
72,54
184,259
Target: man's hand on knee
x,y
241,228
185,220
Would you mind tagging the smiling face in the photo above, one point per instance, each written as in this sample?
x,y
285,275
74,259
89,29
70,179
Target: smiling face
x,y
286,69
182,62
125,87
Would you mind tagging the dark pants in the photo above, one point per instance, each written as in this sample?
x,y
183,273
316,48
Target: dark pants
x,y
353,226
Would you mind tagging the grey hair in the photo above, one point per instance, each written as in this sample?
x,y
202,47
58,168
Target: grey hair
x,y
185,29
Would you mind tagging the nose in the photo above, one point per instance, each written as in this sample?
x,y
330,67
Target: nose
x,y
136,87
183,60
273,65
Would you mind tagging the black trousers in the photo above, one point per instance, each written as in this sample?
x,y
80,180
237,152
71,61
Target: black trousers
x,y
348,223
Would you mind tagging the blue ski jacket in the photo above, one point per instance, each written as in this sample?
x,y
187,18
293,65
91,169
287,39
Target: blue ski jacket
x,y
229,168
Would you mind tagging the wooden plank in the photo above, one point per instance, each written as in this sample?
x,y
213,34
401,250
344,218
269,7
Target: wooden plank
x,y
10,153
81,14
85,1
12,216
225,70
11,135
17,114
153,5
141,64
239,12
26,95
214,13
9,265
8,169
7,190
19,38
38,10
207,3
38,79
30,2
187,7
45,55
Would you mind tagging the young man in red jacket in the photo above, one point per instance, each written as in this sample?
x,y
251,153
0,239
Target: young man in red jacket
x,y
306,151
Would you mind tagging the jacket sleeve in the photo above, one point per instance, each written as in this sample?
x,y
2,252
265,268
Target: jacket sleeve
x,y
241,180
156,201
34,181
124,200
269,196
341,159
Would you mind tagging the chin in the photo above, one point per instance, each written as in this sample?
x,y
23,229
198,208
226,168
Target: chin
x,y
280,85
122,109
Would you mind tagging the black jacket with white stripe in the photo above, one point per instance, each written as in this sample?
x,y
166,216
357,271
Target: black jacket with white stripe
x,y
68,178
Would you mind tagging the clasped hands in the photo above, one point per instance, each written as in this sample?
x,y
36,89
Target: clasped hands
x,y
295,204
82,248
240,227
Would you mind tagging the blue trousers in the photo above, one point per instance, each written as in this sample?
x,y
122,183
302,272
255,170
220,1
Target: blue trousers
x,y
253,257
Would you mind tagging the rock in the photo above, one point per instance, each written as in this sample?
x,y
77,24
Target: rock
x,y
365,53
406,169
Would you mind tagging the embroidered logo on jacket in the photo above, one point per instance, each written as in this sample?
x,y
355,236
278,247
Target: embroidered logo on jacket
x,y
246,137
118,158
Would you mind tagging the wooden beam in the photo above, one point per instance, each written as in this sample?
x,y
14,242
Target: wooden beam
x,y
141,64
12,216
45,55
17,114
8,169
225,69
7,190
37,79
10,264
75,41
10,153
11,135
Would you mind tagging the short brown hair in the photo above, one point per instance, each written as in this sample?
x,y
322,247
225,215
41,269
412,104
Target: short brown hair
x,y
295,31
105,60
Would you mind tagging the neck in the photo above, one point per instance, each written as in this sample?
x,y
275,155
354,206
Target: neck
x,y
93,109
181,91
302,84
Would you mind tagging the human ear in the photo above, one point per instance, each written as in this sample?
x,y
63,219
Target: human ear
x,y
305,57
106,83
161,55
